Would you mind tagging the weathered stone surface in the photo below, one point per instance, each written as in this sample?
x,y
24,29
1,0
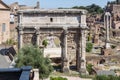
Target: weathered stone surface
x,y
59,26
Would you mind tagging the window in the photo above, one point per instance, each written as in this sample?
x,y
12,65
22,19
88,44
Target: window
x,y
11,18
51,19
3,27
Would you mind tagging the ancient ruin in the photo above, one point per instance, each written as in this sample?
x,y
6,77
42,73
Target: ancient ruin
x,y
63,29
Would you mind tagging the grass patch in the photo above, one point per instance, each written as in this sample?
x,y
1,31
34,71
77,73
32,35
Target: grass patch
x,y
87,76
75,74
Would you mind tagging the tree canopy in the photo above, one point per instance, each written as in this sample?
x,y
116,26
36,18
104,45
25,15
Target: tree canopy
x,y
93,8
32,56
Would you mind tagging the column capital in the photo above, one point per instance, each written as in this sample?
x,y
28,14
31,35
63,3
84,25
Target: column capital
x,y
37,32
37,29
65,30
20,28
84,12
21,32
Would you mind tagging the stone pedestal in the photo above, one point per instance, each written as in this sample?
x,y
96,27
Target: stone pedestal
x,y
36,74
107,45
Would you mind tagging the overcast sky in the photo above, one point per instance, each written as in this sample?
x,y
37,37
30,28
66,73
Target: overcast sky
x,y
59,3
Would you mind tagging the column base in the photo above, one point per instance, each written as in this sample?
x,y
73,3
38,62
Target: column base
x,y
65,70
107,45
83,71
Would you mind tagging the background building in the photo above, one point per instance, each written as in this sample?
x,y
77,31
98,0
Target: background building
x,y
4,22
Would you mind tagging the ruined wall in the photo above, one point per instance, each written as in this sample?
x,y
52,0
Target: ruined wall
x,y
68,26
4,19
73,39
48,18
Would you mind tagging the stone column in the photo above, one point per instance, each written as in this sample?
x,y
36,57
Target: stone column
x,y
21,38
65,62
83,52
78,54
107,25
20,31
38,37
83,27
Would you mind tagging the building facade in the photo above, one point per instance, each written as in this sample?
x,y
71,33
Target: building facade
x,y
14,7
4,22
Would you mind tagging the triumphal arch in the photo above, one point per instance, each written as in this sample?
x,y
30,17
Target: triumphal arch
x,y
63,29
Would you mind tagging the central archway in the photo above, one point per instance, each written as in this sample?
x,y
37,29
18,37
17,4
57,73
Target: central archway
x,y
52,46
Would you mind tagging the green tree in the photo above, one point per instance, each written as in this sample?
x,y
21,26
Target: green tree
x,y
32,56
89,47
79,7
93,8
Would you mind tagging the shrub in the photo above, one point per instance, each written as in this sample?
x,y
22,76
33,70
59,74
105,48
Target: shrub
x,y
45,43
58,78
113,46
89,68
10,42
89,47
103,77
33,56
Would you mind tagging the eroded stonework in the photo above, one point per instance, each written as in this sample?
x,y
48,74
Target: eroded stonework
x,y
29,38
63,29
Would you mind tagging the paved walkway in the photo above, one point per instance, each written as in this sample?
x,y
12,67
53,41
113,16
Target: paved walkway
x,y
4,63
72,78
75,78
